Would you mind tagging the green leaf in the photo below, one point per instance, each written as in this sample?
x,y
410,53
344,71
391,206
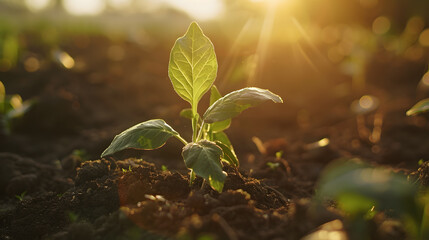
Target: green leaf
x,y
147,135
203,158
387,190
223,138
193,66
228,153
420,107
186,113
20,110
218,126
235,102
214,94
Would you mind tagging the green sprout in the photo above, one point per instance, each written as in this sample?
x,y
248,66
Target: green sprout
x,y
192,70
11,108
272,165
21,196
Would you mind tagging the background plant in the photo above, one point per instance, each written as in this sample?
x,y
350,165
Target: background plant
x,y
361,191
192,71
11,107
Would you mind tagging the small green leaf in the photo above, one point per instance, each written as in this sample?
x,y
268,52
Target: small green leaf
x,y
147,135
193,66
420,107
203,158
220,126
214,94
223,138
20,110
228,153
217,126
186,113
235,102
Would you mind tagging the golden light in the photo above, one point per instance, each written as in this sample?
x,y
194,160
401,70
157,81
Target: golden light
x,y
64,59
31,64
84,7
201,10
323,142
37,5
366,102
119,4
381,25
369,3
424,38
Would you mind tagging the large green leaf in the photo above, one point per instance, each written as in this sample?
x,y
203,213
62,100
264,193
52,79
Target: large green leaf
x,y
193,66
235,102
147,135
420,107
203,158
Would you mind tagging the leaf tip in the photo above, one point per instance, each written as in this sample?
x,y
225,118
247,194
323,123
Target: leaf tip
x,y
410,112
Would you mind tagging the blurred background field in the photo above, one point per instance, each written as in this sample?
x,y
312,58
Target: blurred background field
x,y
93,67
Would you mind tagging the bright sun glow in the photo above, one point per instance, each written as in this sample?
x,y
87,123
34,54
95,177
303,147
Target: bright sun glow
x,y
37,5
84,7
201,10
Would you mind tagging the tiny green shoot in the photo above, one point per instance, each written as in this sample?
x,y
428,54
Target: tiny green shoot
x,y
272,165
127,170
11,108
192,70
279,155
73,217
164,168
21,196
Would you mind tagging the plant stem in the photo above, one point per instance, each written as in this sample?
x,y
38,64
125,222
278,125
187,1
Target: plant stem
x,y
200,132
194,122
203,184
182,140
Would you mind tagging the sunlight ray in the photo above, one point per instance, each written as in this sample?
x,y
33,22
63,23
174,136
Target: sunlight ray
x,y
263,41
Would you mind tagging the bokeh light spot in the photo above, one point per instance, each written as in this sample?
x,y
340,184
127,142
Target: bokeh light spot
x,y
84,7
37,5
65,59
424,38
31,64
381,25
366,102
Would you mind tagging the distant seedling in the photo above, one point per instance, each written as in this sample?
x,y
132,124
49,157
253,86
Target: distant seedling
x,y
192,70
11,107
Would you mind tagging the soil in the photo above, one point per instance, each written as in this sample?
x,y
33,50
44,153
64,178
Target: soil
x,y
54,186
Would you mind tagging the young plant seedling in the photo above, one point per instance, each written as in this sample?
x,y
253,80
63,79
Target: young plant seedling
x,y
192,70
11,108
